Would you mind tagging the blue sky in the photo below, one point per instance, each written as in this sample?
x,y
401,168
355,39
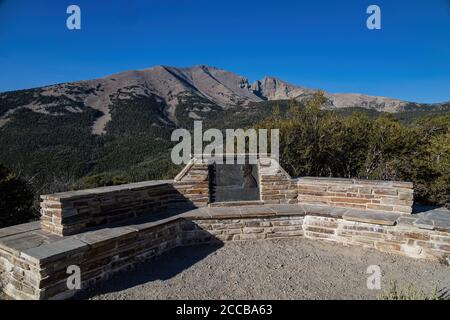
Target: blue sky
x,y
318,44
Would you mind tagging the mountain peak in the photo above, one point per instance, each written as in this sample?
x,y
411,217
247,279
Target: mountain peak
x,y
175,86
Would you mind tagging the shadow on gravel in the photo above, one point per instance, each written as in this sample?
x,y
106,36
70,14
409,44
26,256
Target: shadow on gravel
x,y
163,267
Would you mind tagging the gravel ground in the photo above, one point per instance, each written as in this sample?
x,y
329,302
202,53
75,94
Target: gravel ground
x,y
279,269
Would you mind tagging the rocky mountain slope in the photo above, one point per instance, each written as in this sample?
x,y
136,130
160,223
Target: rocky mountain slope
x,y
198,90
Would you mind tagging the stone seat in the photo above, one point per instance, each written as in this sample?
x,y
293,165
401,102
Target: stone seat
x,y
26,238
33,261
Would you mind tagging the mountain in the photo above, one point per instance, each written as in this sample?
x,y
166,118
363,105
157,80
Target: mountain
x,y
118,128
196,91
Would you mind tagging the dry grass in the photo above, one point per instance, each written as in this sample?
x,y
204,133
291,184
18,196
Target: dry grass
x,y
411,293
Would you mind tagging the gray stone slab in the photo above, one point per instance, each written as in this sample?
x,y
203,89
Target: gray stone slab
x,y
100,236
9,231
30,226
442,225
55,250
381,183
23,241
373,217
103,190
236,203
321,180
217,213
257,211
324,210
404,220
199,213
424,224
20,228
438,218
148,224
287,209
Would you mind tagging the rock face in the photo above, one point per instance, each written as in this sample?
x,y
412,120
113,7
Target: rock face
x,y
171,86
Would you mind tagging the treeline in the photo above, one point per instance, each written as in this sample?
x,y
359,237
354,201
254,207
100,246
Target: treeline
x,y
16,199
314,142
48,153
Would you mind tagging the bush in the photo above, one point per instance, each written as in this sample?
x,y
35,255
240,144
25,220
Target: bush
x,y
314,142
16,199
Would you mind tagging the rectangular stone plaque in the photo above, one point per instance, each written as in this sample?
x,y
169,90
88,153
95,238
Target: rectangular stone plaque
x,y
234,182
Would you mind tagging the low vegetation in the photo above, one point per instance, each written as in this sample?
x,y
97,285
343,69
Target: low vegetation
x,y
412,293
16,199
57,152
380,147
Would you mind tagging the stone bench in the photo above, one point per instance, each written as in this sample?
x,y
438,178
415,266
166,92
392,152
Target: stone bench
x,y
393,196
34,262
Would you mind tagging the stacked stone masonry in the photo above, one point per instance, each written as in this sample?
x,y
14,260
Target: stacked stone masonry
x,y
107,230
34,264
192,185
72,212
353,193
277,187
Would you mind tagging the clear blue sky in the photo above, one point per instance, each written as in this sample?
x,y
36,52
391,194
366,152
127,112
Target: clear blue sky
x,y
319,44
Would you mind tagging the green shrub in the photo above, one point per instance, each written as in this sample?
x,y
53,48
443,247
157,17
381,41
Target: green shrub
x,y
16,199
411,293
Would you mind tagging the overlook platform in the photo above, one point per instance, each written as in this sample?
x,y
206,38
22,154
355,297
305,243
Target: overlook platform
x,y
36,261
108,230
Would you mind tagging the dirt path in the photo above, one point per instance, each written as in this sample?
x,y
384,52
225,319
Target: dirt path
x,y
282,269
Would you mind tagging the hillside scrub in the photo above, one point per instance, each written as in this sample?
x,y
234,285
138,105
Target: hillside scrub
x,y
321,143
16,199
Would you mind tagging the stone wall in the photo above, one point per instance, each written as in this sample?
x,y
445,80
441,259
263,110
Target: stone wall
x,y
75,211
390,196
244,229
18,278
277,187
192,185
402,239
41,272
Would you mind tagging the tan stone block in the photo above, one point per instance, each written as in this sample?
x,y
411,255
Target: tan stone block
x,y
403,209
232,231
252,236
337,188
349,205
388,192
319,230
365,190
253,230
379,207
350,200
416,235
319,235
286,228
313,188
287,234
442,247
388,247
405,196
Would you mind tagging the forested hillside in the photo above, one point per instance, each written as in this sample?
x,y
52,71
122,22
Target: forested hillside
x,y
55,149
